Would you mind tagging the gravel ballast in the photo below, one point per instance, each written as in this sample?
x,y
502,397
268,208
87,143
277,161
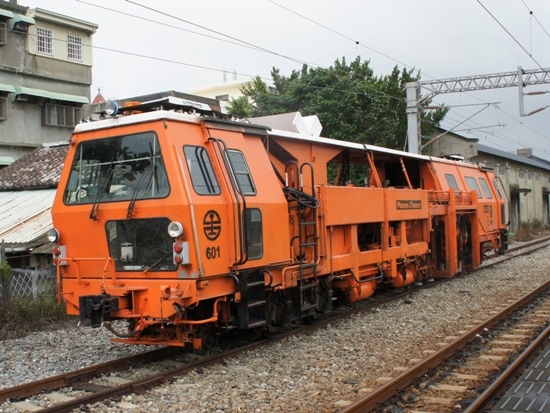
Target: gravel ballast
x,y
321,372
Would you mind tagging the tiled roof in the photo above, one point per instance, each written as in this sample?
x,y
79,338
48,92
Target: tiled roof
x,y
39,169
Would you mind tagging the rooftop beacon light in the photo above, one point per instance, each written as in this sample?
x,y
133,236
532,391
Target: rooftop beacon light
x,y
111,108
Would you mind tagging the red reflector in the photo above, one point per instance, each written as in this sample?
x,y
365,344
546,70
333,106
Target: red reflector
x,y
178,259
55,261
178,247
56,251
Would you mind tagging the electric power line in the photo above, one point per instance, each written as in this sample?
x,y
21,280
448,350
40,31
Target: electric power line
x,y
405,65
510,34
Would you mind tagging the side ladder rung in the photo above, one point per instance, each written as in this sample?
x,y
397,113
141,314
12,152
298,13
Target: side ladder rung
x,y
255,283
254,304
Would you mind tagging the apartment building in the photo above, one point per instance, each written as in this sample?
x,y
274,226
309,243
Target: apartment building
x,y
45,77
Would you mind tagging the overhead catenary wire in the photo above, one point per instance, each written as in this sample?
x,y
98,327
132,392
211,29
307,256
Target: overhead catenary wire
x,y
221,39
232,40
409,66
215,31
535,18
510,34
237,42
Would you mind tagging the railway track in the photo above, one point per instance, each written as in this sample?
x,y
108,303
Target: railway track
x,y
454,374
136,374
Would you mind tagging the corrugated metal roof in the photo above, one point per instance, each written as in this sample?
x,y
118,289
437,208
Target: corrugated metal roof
x,y
25,215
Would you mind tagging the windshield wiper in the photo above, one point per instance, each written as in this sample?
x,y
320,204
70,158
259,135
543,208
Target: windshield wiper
x,y
157,261
103,189
147,171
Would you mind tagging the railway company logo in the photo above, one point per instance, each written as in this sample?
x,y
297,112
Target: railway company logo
x,y
212,225
408,204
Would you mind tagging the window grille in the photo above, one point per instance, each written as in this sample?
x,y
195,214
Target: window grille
x,y
501,169
60,115
3,108
3,33
521,173
45,40
74,47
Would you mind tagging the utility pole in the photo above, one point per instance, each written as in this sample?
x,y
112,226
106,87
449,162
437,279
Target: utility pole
x,y
518,78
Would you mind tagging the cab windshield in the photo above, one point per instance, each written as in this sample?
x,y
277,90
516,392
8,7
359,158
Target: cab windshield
x,y
121,168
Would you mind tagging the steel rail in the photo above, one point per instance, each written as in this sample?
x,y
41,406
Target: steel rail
x,y
145,383
388,390
486,399
77,376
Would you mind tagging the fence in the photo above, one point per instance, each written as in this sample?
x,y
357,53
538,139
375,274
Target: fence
x,y
27,284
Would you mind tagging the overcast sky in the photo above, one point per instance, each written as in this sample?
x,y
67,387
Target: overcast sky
x,y
144,46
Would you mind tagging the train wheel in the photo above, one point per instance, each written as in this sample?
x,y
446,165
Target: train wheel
x,y
209,338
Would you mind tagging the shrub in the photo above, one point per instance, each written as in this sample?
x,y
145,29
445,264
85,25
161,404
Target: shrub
x,y
22,316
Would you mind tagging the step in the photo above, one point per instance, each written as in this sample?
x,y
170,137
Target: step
x,y
255,283
254,304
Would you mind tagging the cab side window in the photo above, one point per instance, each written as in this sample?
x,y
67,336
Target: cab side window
x,y
472,184
485,188
200,168
254,237
451,181
241,173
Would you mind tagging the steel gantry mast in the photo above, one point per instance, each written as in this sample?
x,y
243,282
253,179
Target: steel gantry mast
x,y
519,78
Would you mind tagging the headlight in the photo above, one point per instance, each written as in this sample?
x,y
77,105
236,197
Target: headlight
x,y
175,229
53,235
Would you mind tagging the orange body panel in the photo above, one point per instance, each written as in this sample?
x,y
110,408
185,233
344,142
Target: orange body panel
x,y
265,227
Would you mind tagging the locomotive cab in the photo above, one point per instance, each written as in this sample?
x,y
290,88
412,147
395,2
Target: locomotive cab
x,y
153,213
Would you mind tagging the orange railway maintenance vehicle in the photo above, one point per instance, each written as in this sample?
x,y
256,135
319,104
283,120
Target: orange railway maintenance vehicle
x,y
188,225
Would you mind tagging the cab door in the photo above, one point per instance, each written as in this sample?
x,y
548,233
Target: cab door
x,y
208,209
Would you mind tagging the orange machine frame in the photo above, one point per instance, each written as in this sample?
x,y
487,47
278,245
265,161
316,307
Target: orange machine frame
x,y
282,226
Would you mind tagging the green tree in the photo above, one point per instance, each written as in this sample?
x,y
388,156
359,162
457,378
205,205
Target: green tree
x,y
351,102
240,107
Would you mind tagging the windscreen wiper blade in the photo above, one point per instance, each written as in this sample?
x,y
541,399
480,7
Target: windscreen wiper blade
x,y
146,172
103,189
